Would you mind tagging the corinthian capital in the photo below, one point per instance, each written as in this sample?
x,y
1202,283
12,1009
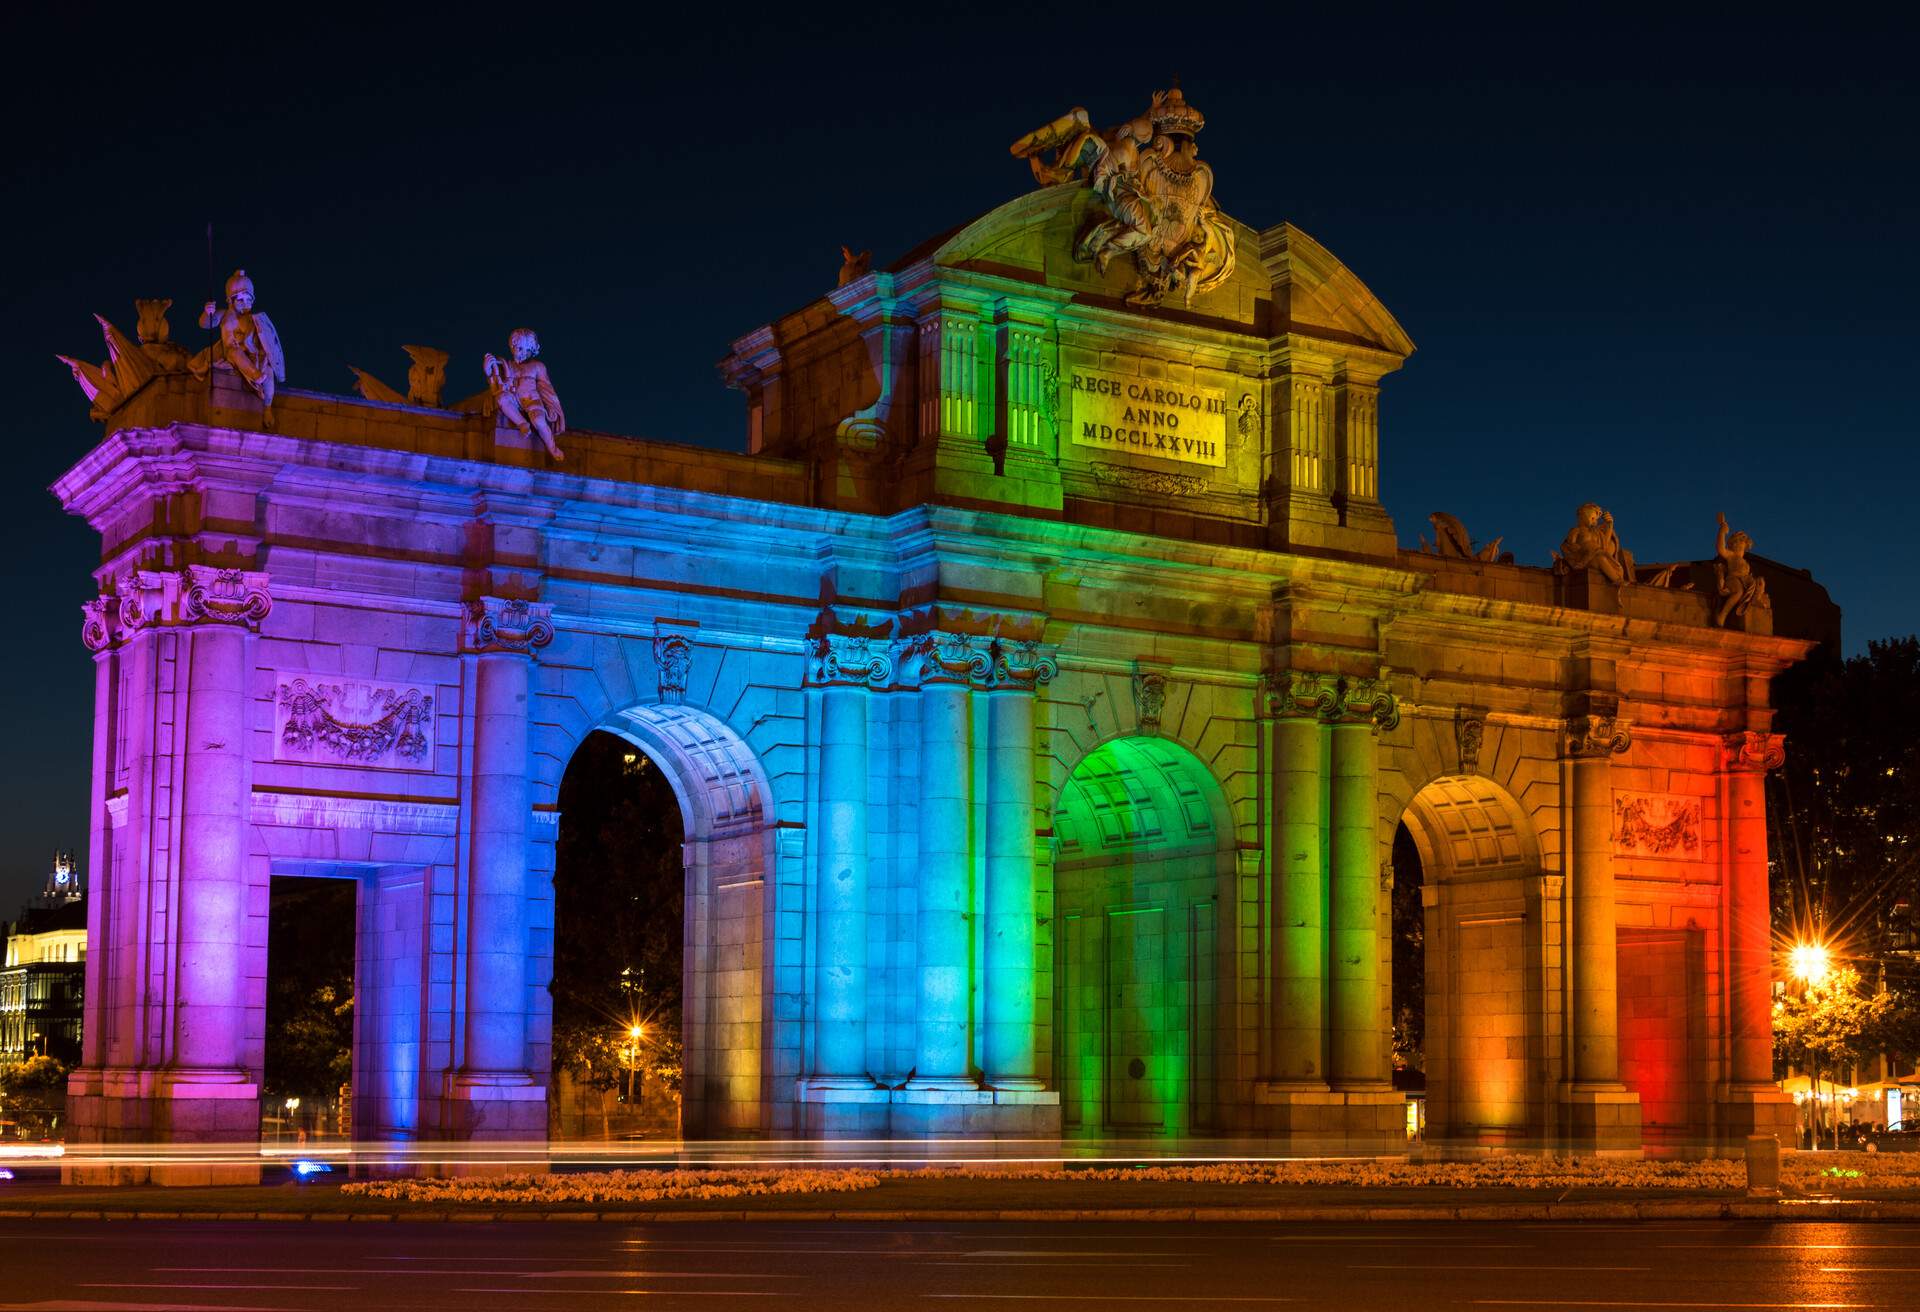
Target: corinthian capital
x,y
1760,752
1365,701
851,658
1298,694
1596,736
494,624
198,594
940,656
225,596
1022,664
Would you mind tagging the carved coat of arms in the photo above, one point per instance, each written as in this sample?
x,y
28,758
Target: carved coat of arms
x,y
1155,196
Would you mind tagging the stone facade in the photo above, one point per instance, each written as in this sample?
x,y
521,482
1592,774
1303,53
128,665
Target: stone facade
x,y
1042,690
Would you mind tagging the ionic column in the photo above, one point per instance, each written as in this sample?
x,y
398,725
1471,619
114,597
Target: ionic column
x,y
503,635
1018,669
1359,1047
947,663
843,666
1296,702
1749,914
219,606
1592,742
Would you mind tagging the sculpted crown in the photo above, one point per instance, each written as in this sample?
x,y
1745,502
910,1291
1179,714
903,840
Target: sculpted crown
x,y
1173,116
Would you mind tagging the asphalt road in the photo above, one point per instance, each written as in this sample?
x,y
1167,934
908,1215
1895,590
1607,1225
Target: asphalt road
x,y
163,1266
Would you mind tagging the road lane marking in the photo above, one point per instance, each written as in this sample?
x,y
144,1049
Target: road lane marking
x,y
1123,1298
1630,1302
93,1305
1402,1266
641,1293
134,1284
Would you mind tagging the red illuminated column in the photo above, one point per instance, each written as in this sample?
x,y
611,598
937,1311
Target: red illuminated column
x,y
1749,917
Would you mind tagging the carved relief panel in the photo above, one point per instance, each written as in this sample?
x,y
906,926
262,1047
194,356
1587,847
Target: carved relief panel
x,y
373,724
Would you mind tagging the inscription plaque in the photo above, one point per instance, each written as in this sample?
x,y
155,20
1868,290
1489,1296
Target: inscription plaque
x,y
1147,417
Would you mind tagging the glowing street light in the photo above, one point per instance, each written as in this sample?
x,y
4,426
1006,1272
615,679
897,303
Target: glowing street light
x,y
1808,961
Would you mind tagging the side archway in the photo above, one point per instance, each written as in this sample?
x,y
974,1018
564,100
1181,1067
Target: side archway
x,y
1143,867
1485,973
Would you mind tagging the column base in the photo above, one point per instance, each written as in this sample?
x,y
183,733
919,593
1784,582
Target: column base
x,y
1602,1118
1310,1116
969,1112
1746,1109
497,1105
942,1084
190,1127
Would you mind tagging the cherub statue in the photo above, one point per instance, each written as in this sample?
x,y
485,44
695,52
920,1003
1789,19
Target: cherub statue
x,y
523,392
1592,544
1739,587
1156,193
247,344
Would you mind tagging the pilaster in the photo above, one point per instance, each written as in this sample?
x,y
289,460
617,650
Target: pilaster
x,y
496,1094
947,667
843,668
1018,670
1601,1112
171,924
1751,1103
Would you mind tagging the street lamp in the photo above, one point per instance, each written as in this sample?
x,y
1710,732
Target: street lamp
x,y
1808,961
635,1033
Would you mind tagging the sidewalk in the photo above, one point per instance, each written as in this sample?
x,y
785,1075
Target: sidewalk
x,y
951,1199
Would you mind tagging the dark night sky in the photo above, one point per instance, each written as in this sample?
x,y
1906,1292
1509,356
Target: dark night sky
x,y
1672,269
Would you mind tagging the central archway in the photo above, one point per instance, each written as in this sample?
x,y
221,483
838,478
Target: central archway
x,y
726,823
1142,850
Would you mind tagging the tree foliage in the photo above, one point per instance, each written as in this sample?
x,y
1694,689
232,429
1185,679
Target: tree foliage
x,y
32,1077
310,942
619,916
1832,1024
1409,958
1846,806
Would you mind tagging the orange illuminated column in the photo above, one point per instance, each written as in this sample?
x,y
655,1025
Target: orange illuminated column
x,y
1592,740
1750,936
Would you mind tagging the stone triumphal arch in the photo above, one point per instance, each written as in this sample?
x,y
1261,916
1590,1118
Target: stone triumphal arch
x,y
1043,688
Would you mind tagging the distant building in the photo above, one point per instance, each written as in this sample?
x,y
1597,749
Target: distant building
x,y
42,985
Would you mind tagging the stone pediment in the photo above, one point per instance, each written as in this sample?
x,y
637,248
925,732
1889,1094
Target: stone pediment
x,y
1285,281
1314,294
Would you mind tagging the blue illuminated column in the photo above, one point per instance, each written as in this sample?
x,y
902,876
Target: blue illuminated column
x,y
843,666
1358,932
494,1075
1018,669
947,664
208,1063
